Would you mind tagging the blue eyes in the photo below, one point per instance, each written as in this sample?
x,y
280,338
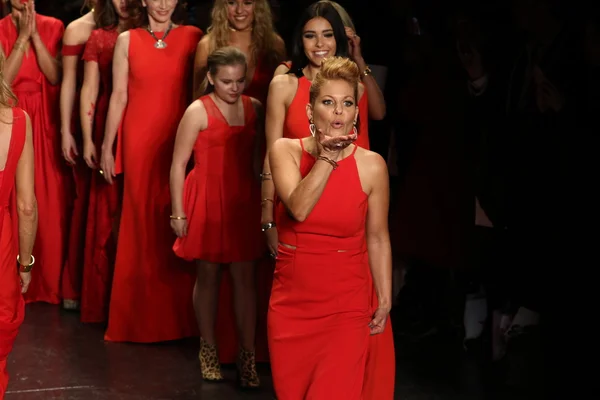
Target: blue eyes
x,y
347,103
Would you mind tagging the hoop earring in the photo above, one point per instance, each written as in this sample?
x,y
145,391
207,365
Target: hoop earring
x,y
355,131
313,130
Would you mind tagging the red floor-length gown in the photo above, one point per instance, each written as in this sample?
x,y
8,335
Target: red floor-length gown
x,y
222,195
381,346
73,268
226,331
321,303
12,306
104,199
53,180
151,299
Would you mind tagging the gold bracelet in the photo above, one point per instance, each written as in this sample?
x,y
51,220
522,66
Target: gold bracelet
x,y
21,46
25,268
178,218
328,161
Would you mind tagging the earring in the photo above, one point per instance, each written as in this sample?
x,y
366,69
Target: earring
x,y
313,129
355,131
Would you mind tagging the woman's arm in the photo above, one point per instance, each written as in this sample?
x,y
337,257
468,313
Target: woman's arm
x,y
13,63
26,201
378,236
259,141
68,88
49,65
118,102
200,69
194,120
87,109
377,107
279,90
299,195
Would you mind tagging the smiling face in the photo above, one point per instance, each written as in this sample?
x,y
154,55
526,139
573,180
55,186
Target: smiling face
x,y
229,82
334,108
318,40
160,11
240,14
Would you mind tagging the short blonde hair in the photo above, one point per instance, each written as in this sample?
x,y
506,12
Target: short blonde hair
x,y
335,69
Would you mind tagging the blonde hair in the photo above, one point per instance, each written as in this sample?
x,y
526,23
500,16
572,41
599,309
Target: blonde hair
x,y
346,20
7,97
264,38
335,69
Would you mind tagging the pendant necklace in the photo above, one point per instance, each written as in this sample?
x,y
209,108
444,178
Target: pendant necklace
x,y
160,43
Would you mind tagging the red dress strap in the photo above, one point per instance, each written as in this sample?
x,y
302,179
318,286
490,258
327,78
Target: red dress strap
x,y
73,50
249,111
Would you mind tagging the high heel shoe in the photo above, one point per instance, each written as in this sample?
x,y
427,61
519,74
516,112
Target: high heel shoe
x,y
209,362
246,366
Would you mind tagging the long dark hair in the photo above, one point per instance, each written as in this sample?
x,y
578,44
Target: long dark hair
x,y
139,17
328,12
105,15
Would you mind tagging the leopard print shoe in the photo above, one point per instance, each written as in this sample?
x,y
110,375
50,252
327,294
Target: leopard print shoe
x,y
209,362
246,365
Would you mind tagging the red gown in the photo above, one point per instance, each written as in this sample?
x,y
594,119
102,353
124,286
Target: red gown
x,y
226,330
321,303
222,195
12,306
52,177
104,199
73,268
151,299
296,122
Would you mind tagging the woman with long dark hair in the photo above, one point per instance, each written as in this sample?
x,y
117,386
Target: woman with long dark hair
x,y
151,297
104,199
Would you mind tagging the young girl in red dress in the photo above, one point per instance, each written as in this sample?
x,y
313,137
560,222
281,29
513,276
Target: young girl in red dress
x,y
217,210
247,25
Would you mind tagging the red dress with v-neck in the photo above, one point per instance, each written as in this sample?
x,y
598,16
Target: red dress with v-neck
x,y
12,305
222,195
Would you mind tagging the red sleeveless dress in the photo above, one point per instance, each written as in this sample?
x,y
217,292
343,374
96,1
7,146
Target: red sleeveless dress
x,y
222,195
228,348
296,122
53,179
322,299
12,305
151,295
104,199
73,268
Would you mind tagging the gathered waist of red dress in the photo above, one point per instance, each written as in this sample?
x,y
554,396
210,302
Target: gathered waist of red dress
x,y
28,87
319,243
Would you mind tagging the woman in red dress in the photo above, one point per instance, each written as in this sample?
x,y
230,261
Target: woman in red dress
x,y
334,244
320,33
247,25
32,44
216,214
74,39
151,297
104,199
17,210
